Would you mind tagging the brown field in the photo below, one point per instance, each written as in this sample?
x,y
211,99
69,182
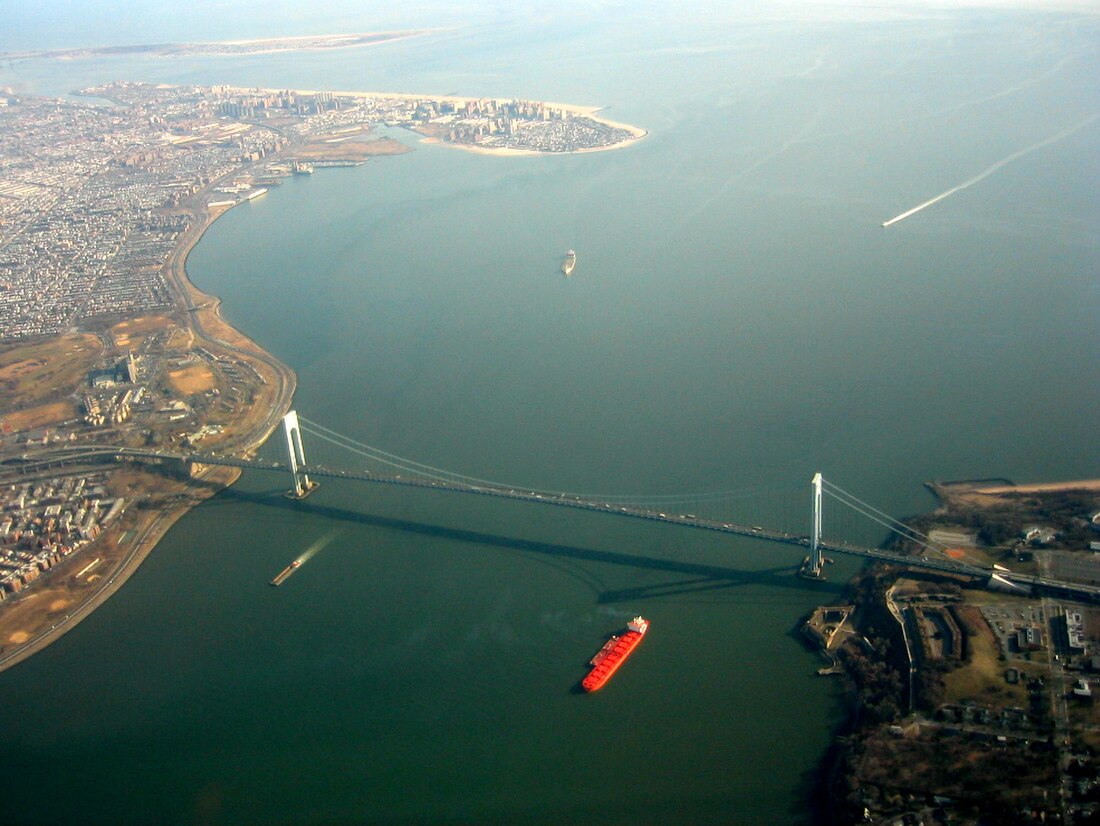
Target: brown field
x,y
981,596
353,149
33,373
40,416
982,679
138,326
198,378
16,371
130,333
181,339
965,495
27,617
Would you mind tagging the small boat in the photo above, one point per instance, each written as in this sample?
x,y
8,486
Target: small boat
x,y
569,263
287,571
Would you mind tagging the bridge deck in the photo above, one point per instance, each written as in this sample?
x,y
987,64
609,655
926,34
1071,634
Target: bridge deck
x,y
72,454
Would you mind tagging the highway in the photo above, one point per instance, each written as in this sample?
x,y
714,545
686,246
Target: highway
x,y
48,457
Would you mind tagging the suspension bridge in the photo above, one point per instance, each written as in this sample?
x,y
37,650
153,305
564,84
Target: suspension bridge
x,y
381,467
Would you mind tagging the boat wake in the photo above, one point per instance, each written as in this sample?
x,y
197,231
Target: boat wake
x,y
985,173
318,546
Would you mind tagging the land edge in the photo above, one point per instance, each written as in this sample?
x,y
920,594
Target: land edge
x,y
194,302
207,48
972,493
156,524
997,487
591,112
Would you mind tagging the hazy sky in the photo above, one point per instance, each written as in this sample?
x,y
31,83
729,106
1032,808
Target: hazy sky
x,y
68,23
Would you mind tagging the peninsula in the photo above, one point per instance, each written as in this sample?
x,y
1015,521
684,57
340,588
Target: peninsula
x,y
225,48
104,340
972,699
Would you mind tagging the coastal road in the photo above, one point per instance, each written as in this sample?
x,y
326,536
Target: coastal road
x,y
175,270
122,571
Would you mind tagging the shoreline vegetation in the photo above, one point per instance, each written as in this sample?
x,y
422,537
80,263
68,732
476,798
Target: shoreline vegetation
x,y
969,699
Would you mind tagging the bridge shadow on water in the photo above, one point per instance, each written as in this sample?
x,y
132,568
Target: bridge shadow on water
x,y
692,578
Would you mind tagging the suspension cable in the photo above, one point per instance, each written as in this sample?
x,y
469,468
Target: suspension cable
x,y
400,462
837,492
889,522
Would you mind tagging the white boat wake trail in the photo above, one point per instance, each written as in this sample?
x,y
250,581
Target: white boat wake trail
x,y
319,545
985,173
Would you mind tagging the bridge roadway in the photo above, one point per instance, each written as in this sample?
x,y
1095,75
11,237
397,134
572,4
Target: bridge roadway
x,y
564,500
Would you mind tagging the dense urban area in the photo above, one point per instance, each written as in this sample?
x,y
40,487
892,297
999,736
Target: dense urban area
x,y
93,198
972,699
104,341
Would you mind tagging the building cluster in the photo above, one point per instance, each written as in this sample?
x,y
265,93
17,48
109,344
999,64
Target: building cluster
x,y
87,195
43,522
519,124
115,392
93,196
1073,622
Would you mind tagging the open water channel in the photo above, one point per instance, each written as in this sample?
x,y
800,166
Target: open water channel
x,y
738,319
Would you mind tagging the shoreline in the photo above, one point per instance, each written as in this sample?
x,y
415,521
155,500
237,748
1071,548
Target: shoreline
x,y
233,48
591,112
981,491
151,532
1036,487
193,304
200,312
508,152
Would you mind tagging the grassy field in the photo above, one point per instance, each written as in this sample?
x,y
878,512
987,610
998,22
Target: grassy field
x,y
129,334
355,149
197,378
39,416
31,374
982,680
182,338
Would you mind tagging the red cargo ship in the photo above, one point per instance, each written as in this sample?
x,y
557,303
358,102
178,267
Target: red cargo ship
x,y
613,654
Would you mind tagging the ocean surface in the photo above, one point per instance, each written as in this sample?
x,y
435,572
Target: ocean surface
x,y
738,320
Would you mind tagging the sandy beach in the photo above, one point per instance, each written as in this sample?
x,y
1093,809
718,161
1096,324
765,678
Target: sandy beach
x,y
573,108
1039,487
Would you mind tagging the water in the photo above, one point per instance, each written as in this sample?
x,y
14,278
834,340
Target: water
x,y
738,318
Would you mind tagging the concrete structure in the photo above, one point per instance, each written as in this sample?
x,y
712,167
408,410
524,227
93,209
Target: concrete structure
x,y
296,454
815,533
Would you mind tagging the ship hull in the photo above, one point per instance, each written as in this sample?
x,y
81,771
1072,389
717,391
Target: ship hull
x,y
283,574
611,658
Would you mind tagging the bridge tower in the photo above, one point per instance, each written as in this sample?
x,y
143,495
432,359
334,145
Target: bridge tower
x,y
815,536
296,453
811,565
